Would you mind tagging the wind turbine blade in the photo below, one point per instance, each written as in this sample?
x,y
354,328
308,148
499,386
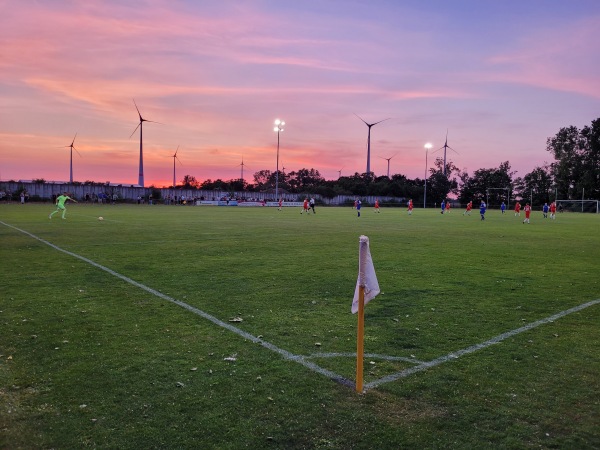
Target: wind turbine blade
x,y
361,119
453,150
77,152
160,123
74,139
138,110
380,121
135,130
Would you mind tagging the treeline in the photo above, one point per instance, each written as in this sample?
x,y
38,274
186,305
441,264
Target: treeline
x,y
575,174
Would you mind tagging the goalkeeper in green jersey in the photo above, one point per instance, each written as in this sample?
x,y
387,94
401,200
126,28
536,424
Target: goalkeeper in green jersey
x,y
60,205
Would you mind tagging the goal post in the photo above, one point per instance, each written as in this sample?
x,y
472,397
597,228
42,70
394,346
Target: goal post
x,y
589,206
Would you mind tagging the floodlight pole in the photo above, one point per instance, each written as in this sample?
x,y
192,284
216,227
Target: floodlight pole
x,y
427,147
279,124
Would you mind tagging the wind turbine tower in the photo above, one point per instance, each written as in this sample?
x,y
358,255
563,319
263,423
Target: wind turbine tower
x,y
388,160
175,158
140,126
242,167
369,140
445,147
72,147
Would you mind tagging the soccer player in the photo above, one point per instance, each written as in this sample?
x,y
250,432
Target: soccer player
x,y
312,204
358,206
376,206
553,210
469,208
305,207
482,209
503,207
517,209
545,209
410,207
527,210
448,206
443,206
280,203
60,205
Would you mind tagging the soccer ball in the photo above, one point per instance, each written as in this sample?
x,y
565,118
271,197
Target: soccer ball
x,y
100,218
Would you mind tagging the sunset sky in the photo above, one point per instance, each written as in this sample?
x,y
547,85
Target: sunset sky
x,y
500,76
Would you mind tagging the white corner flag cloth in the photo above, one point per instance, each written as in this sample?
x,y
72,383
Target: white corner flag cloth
x,y
366,271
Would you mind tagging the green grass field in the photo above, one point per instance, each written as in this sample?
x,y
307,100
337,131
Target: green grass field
x,y
90,359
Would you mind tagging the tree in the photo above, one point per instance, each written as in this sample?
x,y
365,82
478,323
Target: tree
x,y
440,185
264,179
304,180
590,179
536,186
576,169
189,181
486,184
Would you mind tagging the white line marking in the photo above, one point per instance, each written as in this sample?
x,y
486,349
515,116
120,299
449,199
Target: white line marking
x,y
303,360
476,347
284,353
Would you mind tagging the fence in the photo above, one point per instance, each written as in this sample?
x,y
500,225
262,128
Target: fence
x,y
48,191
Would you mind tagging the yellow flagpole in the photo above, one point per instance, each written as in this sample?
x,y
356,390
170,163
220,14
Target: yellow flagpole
x,y
360,341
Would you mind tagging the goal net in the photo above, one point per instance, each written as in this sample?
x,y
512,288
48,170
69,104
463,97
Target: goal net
x,y
589,206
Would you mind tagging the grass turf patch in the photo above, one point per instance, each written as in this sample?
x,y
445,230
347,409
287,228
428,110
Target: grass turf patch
x,y
90,360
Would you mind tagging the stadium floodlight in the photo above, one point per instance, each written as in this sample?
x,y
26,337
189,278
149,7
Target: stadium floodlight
x,y
427,148
279,124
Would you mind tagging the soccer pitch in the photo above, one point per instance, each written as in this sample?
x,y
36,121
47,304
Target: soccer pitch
x,y
216,327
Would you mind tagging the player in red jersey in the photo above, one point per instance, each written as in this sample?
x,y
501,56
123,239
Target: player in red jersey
x,y
376,206
447,206
517,209
410,207
305,207
553,210
469,208
527,210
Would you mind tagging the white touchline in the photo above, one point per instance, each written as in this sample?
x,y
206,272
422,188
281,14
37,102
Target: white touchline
x,y
287,355
304,359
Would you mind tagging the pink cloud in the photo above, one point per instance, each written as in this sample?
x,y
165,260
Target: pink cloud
x,y
563,61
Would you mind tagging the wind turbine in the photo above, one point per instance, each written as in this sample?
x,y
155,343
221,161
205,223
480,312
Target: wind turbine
x,y
369,140
340,173
242,166
72,147
142,120
446,146
175,158
388,160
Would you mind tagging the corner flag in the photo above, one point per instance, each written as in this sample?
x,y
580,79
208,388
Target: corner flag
x,y
366,275
367,288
